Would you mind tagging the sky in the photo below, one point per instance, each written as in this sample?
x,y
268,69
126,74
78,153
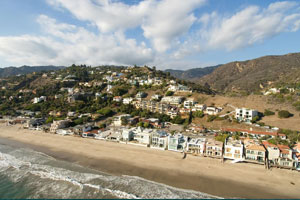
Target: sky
x,y
168,34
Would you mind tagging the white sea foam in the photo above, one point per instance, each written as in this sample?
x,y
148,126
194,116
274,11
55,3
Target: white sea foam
x,y
66,183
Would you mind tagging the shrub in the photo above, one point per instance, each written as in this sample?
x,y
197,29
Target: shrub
x,y
177,120
169,93
268,112
211,118
284,114
198,114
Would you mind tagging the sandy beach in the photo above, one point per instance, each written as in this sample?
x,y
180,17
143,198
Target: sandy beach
x,y
197,173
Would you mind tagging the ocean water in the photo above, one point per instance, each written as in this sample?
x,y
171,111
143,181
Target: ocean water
x,y
25,173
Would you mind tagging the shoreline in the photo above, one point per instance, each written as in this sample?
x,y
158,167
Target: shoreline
x,y
196,173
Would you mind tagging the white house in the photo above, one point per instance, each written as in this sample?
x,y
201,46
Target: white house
x,y
245,114
117,98
142,136
272,91
64,132
199,107
117,121
127,100
211,110
233,149
173,100
189,103
39,99
159,140
196,146
177,142
127,134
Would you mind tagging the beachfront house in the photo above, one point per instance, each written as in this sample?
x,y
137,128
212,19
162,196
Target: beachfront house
x,y
177,142
142,136
64,132
214,149
196,146
159,140
59,125
245,114
279,155
127,135
233,149
296,155
255,151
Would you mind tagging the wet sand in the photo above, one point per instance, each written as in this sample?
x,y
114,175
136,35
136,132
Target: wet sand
x,y
202,174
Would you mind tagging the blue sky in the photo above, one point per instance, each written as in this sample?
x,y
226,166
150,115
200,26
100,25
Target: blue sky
x,y
164,33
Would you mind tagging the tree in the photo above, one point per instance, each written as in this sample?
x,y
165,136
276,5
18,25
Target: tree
x,y
106,112
211,118
284,114
177,120
268,112
124,121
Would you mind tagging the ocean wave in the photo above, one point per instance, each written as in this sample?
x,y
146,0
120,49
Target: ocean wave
x,y
46,174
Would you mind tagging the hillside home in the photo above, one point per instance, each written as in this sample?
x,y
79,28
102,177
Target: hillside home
x,y
196,146
159,140
39,99
254,151
117,121
272,91
211,110
156,97
199,107
173,100
177,142
140,95
127,100
214,149
245,114
233,149
117,99
189,103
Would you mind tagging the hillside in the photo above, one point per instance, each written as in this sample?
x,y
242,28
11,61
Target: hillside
x,y
13,71
192,74
253,75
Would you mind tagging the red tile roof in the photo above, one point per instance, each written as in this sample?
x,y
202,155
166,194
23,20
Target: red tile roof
x,y
253,132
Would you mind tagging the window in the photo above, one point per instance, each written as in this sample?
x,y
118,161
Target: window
x,y
237,151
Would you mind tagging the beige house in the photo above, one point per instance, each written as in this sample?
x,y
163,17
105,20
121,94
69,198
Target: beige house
x,y
254,151
214,149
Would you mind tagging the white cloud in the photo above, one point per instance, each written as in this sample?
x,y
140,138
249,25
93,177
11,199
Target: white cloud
x,y
162,21
169,20
249,26
65,44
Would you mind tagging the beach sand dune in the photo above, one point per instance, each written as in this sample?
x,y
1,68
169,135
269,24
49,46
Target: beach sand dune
x,y
197,173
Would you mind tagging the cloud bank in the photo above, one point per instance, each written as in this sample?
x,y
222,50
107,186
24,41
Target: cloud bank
x,y
169,29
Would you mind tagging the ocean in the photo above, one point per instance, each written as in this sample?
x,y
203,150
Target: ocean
x,y
25,173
